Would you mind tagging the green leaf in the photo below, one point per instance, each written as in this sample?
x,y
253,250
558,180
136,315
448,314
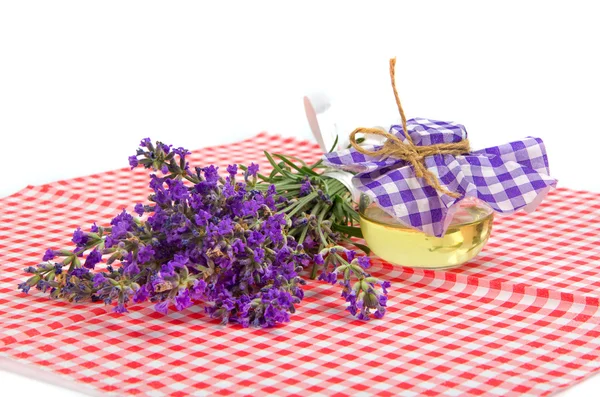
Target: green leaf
x,y
317,164
334,144
310,171
273,173
298,159
348,230
362,247
338,208
278,168
351,212
302,170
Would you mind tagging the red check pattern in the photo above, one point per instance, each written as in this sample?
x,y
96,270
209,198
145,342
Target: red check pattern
x,y
521,319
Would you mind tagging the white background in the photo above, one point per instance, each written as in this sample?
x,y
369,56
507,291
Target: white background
x,y
82,82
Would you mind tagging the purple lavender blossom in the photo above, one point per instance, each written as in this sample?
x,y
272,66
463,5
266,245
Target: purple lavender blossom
x,y
141,295
162,307
177,189
98,280
25,287
385,285
330,278
120,229
179,261
139,209
145,254
198,289
252,169
93,259
79,237
48,255
383,300
79,272
122,224
259,255
181,152
306,188
255,238
132,269
202,217
211,174
120,308
232,169
364,262
163,147
182,300
250,208
133,161
225,227
167,270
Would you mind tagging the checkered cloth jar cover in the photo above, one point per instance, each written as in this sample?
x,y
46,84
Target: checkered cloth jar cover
x,y
506,177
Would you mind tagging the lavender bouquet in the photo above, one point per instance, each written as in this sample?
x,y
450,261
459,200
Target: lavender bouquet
x,y
236,245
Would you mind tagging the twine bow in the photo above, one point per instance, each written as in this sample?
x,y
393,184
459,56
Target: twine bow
x,y
394,147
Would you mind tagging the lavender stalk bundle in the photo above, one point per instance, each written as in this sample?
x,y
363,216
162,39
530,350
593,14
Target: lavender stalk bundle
x,y
237,245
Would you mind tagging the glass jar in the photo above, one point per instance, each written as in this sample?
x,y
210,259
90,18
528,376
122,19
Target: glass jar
x,y
396,243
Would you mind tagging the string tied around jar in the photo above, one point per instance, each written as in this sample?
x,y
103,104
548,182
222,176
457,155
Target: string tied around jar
x,y
408,151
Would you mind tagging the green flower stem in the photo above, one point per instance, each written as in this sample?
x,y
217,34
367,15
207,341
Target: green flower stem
x,y
319,221
191,179
315,165
297,206
313,273
313,212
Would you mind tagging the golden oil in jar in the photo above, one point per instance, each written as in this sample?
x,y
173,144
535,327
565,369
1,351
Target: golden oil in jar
x,y
468,232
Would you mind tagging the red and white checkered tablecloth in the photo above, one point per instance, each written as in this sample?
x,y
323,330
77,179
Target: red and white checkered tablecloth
x,y
521,319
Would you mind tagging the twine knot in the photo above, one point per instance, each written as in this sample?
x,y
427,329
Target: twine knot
x,y
408,151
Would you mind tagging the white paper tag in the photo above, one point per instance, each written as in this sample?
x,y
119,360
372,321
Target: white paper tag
x,y
325,127
321,119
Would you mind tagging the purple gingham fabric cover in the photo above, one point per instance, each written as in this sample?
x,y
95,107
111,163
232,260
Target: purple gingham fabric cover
x,y
507,177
